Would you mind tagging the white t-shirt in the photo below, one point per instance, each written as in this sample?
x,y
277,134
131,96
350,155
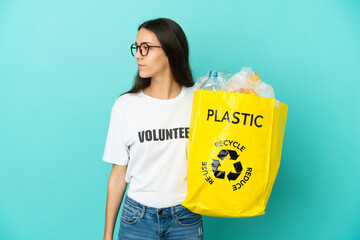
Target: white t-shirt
x,y
150,136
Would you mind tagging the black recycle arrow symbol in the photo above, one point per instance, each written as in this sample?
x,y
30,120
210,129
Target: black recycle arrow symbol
x,y
237,165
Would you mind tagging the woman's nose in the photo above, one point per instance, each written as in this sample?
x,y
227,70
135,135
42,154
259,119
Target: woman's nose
x,y
138,55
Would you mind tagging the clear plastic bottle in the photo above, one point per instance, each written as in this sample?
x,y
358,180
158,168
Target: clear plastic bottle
x,y
211,83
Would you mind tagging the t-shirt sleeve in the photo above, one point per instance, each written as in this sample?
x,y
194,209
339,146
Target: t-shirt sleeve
x,y
116,151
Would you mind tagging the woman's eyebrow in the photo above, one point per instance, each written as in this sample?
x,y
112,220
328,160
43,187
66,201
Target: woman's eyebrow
x,y
143,42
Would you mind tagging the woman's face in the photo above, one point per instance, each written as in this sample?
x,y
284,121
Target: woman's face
x,y
155,63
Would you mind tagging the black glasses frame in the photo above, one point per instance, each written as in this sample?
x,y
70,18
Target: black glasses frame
x,y
147,48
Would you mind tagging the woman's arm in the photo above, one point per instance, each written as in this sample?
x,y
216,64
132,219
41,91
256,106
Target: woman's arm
x,y
115,194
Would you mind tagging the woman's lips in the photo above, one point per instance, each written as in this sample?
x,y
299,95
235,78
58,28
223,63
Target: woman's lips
x,y
140,66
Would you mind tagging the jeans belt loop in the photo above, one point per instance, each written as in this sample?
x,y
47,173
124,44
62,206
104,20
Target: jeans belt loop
x,y
173,212
142,214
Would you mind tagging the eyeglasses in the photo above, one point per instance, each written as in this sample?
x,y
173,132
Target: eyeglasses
x,y
144,48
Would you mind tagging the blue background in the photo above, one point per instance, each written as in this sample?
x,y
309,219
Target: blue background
x,y
63,64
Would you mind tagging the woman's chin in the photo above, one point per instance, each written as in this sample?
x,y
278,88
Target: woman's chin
x,y
142,75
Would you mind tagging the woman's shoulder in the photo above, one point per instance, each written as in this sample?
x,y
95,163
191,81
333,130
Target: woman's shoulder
x,y
126,100
189,93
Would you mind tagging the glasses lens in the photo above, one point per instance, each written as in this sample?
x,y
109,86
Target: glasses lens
x,y
133,49
144,49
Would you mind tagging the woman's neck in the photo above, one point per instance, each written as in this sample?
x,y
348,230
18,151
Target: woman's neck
x,y
165,88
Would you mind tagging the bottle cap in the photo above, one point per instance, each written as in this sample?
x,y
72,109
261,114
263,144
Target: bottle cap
x,y
213,74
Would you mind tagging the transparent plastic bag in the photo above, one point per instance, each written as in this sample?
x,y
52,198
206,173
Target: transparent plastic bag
x,y
246,81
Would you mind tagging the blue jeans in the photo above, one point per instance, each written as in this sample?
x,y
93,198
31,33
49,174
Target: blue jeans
x,y
140,222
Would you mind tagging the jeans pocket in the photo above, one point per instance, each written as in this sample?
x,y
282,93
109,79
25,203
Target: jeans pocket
x,y
187,218
129,215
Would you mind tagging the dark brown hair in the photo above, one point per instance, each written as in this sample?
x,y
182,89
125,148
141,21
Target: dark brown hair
x,y
173,40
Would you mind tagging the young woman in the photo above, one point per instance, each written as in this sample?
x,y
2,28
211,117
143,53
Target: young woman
x,y
147,141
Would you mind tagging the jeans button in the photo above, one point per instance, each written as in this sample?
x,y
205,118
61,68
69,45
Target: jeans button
x,y
160,212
